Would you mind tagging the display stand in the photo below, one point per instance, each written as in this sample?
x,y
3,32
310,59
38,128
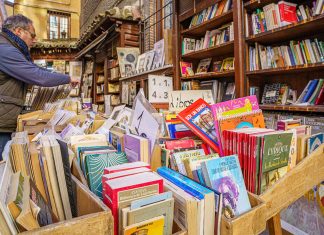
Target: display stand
x,y
266,207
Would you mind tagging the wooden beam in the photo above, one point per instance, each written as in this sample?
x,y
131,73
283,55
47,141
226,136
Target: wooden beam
x,y
239,45
176,40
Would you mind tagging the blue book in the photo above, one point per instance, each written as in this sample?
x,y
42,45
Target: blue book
x,y
225,175
196,190
291,56
310,90
314,142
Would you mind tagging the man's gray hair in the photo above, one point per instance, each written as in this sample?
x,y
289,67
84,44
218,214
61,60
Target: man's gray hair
x,y
16,21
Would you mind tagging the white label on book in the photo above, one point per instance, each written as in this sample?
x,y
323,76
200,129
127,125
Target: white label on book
x,y
159,88
179,100
271,94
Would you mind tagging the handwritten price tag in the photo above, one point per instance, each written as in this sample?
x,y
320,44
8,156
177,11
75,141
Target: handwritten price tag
x,y
159,88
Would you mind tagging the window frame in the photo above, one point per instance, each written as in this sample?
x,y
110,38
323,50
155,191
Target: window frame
x,y
59,15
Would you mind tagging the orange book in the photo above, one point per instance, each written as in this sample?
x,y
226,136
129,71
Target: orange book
x,y
221,6
252,119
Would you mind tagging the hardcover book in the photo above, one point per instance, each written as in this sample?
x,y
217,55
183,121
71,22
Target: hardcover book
x,y
136,148
198,117
95,165
314,142
179,157
120,192
225,175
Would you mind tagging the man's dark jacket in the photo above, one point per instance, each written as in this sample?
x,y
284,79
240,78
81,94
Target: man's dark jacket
x,y
15,73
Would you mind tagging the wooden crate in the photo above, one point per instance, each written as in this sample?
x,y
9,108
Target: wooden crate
x,y
250,222
178,229
303,177
93,217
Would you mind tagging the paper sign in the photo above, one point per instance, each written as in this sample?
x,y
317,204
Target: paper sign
x,y
179,100
144,123
159,88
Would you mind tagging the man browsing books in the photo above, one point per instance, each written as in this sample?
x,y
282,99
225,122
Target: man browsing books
x,y
17,71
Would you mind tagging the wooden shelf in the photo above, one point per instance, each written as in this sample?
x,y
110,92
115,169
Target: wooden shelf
x,y
100,93
210,75
100,101
200,30
113,81
145,74
99,83
296,108
286,70
289,32
219,50
161,105
113,93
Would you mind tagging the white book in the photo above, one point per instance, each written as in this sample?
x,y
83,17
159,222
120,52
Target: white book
x,y
310,50
318,7
303,12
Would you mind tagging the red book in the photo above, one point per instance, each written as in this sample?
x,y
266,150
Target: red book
x,y
125,166
120,192
179,144
198,117
287,12
320,97
183,134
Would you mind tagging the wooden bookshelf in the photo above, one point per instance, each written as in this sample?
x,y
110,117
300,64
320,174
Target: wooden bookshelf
x,y
297,30
295,108
210,75
188,9
296,77
216,51
200,30
287,70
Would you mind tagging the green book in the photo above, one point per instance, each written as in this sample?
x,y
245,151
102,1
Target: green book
x,y
95,165
276,151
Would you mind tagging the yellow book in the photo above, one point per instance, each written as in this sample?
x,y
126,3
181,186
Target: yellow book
x,y
302,147
152,226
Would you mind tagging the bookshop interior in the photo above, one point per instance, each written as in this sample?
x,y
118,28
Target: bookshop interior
x,y
166,117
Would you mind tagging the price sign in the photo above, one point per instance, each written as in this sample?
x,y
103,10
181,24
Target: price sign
x,y
159,88
179,100
144,123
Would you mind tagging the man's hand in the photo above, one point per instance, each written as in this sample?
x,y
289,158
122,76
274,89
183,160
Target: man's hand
x,y
74,81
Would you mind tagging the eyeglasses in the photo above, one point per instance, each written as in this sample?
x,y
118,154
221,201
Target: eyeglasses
x,y
33,35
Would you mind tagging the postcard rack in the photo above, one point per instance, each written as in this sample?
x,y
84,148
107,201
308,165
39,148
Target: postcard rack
x,y
266,207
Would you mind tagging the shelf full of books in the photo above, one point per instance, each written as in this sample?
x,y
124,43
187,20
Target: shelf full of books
x,y
207,50
285,54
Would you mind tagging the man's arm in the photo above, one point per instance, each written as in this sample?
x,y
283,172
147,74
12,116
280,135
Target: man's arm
x,y
13,63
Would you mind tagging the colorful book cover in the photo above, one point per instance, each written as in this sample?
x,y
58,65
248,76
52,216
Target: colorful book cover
x,y
179,144
225,175
179,157
314,142
152,226
185,67
253,119
275,158
126,166
95,165
119,193
232,108
198,117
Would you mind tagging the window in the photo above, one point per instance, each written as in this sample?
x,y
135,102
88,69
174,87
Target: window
x,y
58,25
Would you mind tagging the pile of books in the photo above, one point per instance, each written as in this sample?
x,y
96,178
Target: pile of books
x,y
207,14
296,53
212,38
